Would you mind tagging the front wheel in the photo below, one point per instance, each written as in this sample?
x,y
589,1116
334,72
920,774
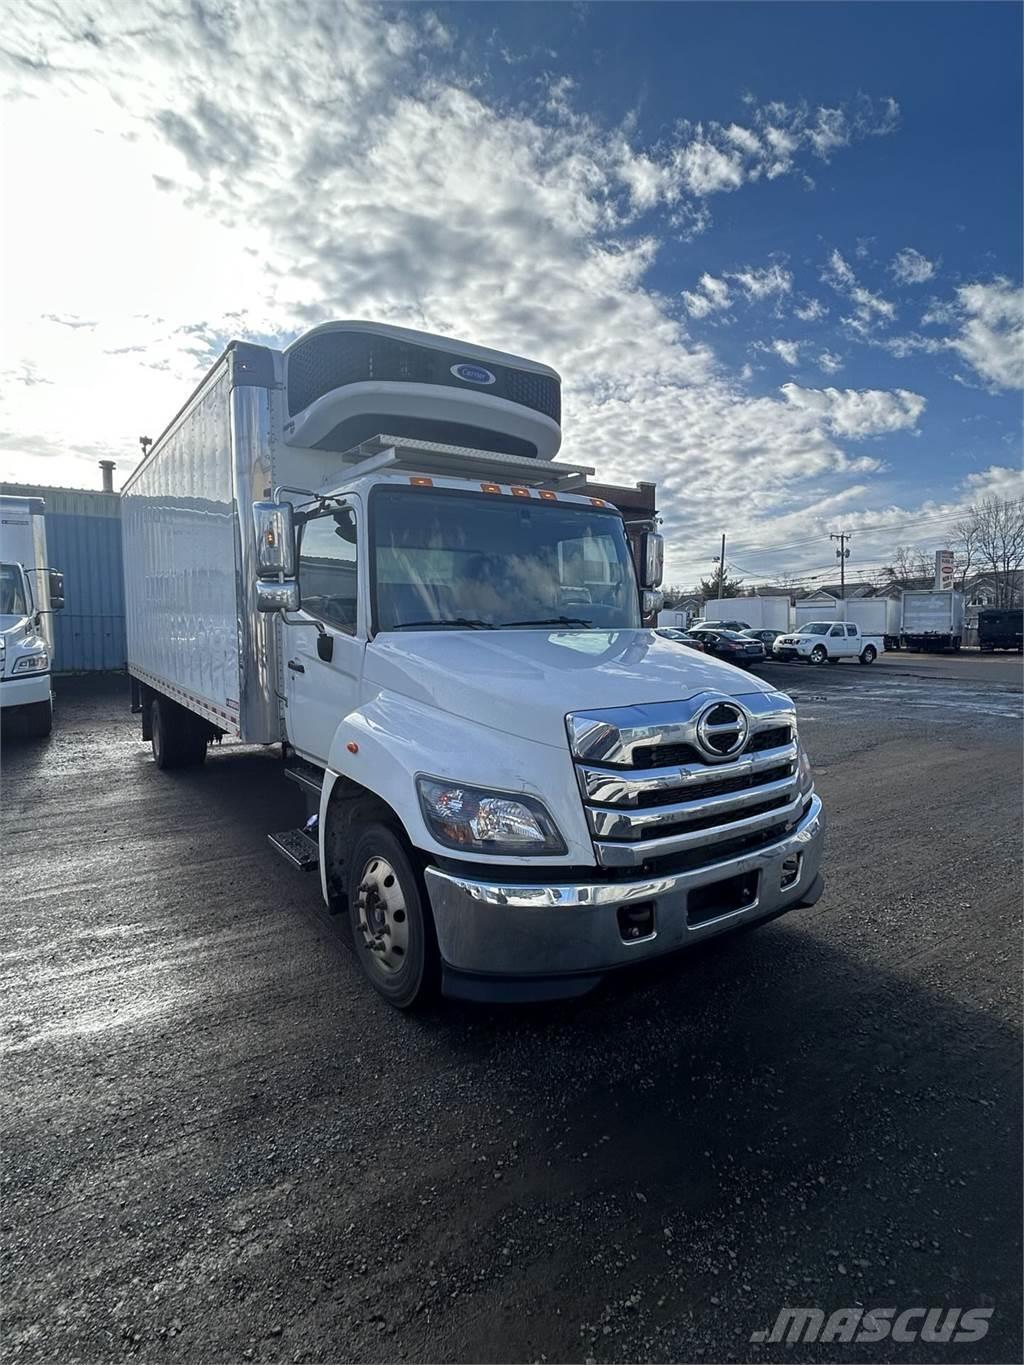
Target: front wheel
x,y
869,655
39,719
391,925
819,654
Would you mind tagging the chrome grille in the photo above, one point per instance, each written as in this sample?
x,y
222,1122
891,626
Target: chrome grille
x,y
674,778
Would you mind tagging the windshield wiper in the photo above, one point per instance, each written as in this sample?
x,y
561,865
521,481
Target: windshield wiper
x,y
551,621
470,622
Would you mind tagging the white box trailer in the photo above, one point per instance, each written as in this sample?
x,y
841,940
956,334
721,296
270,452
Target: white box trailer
x,y
876,616
932,619
760,613
30,592
442,627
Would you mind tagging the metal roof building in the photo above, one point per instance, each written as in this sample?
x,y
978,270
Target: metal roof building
x,y
83,540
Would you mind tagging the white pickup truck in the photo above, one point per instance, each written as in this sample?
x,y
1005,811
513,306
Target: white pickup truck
x,y
819,642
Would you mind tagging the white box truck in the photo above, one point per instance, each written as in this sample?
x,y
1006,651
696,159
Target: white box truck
x,y
932,619
760,613
30,592
876,616
361,549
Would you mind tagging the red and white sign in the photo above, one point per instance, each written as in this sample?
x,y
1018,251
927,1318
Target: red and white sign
x,y
945,567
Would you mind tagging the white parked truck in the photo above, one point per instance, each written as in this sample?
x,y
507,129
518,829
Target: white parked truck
x,y
361,549
876,616
821,642
933,618
30,592
760,613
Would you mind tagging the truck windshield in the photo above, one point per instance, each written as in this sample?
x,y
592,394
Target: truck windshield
x,y
12,591
447,559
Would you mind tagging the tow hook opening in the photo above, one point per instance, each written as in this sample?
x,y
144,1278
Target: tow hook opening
x,y
636,922
791,869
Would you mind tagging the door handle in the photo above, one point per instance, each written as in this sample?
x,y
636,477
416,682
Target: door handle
x,y
296,667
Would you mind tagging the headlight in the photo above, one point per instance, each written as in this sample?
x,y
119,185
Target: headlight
x,y
31,663
803,768
471,818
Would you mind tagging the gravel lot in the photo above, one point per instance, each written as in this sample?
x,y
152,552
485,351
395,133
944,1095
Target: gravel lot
x,y
219,1146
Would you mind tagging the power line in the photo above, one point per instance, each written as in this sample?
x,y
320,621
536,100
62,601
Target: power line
x,y
879,526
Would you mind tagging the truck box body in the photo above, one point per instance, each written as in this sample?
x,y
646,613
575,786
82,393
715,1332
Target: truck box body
x,y
761,613
875,616
932,618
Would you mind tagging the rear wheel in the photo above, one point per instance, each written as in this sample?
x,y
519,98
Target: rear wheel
x,y
819,654
39,719
177,739
391,925
869,655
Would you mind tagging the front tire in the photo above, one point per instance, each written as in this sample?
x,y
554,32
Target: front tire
x,y
392,928
39,719
819,654
869,655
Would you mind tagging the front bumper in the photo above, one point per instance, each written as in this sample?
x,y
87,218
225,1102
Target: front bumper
x,y
33,687
558,939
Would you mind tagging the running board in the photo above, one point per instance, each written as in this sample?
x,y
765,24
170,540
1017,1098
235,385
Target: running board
x,y
306,776
297,848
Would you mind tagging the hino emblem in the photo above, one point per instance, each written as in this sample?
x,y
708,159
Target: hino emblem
x,y
722,729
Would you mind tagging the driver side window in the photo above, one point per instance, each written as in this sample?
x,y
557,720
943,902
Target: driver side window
x,y
836,632
328,573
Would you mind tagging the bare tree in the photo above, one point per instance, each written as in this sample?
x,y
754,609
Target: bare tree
x,y
996,527
910,568
965,544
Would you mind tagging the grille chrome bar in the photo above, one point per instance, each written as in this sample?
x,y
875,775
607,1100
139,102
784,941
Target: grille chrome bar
x,y
612,823
623,787
633,854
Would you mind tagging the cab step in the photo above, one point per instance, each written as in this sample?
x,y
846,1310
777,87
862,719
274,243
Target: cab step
x,y
305,775
297,848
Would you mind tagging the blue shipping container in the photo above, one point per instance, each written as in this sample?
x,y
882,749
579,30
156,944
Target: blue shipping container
x,y
83,541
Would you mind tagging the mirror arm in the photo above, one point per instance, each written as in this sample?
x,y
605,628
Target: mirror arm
x,y
298,621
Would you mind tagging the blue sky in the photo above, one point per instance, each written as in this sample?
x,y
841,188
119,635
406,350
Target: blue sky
x,y
773,249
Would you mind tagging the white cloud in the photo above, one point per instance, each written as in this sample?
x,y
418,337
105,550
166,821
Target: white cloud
x,y
810,310
218,193
991,336
858,412
868,307
710,296
787,351
910,267
830,362
764,282
829,131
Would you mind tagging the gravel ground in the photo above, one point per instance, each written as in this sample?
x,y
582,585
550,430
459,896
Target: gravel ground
x,y
219,1146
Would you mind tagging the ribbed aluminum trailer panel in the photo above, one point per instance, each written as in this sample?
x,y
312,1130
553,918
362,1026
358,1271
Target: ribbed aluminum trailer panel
x,y
193,631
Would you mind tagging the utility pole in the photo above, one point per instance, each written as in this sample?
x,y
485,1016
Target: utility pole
x,y
842,554
721,568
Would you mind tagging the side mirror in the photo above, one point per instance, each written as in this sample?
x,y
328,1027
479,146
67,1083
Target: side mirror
x,y
274,595
652,557
274,523
56,590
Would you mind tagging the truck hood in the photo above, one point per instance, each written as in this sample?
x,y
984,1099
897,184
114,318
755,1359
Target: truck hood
x,y
525,682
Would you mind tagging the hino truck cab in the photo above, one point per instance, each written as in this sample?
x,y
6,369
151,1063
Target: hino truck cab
x,y
362,548
29,594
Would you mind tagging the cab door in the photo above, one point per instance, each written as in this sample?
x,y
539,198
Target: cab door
x,y
838,646
323,656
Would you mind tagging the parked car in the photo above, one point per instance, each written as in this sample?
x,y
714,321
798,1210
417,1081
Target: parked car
x,y
820,642
723,625
680,637
730,645
767,637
